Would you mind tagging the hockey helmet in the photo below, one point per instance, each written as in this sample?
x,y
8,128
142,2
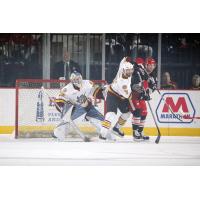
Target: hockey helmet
x,y
127,69
150,61
139,61
150,64
76,79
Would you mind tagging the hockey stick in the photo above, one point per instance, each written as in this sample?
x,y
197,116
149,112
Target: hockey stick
x,y
159,134
188,117
85,138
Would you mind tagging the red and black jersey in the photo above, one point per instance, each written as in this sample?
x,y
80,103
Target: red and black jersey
x,y
141,81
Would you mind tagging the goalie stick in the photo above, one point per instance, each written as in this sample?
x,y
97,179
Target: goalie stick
x,y
85,138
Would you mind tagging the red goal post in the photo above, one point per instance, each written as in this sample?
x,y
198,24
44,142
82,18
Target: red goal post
x,y
36,115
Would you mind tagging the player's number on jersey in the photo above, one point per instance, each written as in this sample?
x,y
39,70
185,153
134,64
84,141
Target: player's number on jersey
x,y
125,89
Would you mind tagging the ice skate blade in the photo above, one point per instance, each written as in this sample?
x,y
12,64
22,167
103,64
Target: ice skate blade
x,y
117,134
140,140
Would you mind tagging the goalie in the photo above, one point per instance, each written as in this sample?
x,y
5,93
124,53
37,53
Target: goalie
x,y
79,94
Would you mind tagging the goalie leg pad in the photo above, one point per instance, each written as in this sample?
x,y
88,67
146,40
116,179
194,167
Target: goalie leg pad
x,y
96,123
62,130
65,109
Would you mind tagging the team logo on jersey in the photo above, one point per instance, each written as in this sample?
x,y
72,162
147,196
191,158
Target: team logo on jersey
x,y
124,87
180,104
81,99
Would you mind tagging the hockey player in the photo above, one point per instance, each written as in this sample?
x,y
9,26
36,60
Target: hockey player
x,y
79,93
143,84
118,95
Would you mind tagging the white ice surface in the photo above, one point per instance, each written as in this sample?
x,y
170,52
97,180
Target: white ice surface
x,y
170,151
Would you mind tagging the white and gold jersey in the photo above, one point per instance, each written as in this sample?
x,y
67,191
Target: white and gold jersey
x,y
122,86
78,96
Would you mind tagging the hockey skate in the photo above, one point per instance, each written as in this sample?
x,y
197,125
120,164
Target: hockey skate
x,y
144,137
117,132
139,136
110,137
107,137
101,137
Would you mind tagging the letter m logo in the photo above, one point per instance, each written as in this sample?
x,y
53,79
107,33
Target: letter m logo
x,y
181,103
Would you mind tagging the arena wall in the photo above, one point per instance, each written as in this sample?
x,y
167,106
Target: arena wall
x,y
182,102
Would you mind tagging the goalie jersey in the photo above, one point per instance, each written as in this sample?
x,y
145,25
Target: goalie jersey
x,y
79,96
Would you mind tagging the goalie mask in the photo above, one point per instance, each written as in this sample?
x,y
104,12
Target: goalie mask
x,y
150,65
127,69
76,79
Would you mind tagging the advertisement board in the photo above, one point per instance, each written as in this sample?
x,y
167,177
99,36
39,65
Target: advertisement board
x,y
177,112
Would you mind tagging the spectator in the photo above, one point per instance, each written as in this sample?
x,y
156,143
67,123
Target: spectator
x,y
166,82
139,49
65,67
195,82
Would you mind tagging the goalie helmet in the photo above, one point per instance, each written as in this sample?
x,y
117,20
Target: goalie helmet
x,y
150,64
76,79
127,69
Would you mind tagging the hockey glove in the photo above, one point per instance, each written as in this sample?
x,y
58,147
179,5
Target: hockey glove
x,y
137,88
145,96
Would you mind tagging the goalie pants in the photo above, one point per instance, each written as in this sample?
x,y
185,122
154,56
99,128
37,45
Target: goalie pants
x,y
92,115
78,111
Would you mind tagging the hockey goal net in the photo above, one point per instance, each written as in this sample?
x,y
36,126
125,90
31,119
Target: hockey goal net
x,y
36,115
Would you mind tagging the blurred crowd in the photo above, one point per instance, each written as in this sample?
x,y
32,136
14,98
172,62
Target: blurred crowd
x,y
21,56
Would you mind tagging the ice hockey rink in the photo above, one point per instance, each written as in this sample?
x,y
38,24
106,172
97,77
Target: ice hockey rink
x,y
170,151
